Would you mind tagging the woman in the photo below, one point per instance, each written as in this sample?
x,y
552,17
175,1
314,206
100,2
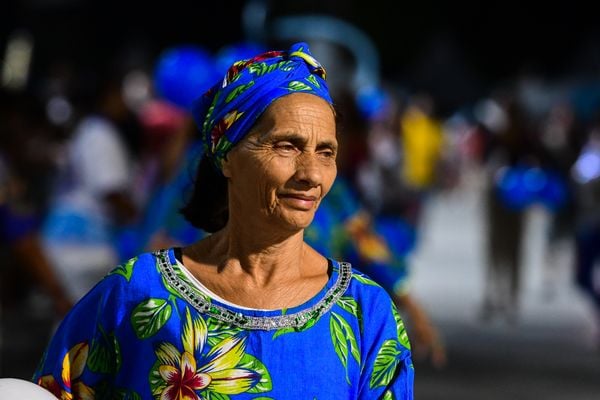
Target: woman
x,y
251,311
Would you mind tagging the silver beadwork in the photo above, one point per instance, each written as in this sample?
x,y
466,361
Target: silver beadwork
x,y
296,320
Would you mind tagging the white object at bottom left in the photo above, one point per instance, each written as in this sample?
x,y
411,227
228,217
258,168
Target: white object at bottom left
x,y
16,389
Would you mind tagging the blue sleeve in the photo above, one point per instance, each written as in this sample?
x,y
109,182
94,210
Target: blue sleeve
x,y
83,355
388,371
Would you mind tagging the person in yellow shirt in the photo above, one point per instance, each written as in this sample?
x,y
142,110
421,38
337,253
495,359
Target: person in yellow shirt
x,y
422,142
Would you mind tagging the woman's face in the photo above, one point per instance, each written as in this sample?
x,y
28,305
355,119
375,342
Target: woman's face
x,y
279,173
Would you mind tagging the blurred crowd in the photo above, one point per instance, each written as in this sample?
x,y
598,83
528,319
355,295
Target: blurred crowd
x,y
95,165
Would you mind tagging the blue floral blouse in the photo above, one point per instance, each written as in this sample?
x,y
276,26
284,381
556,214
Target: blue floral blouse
x,y
146,331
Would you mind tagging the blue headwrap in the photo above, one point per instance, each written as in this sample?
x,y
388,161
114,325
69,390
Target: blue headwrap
x,y
227,111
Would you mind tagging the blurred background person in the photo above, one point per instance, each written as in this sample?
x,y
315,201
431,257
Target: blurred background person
x,y
586,174
23,177
32,296
169,152
91,194
422,143
170,148
508,148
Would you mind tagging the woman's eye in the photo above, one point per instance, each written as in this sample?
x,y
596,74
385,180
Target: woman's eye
x,y
285,146
327,153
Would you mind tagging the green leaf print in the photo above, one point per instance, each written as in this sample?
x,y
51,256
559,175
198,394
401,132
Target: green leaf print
x,y
254,364
235,78
157,384
282,331
224,144
258,68
309,324
351,306
339,342
105,353
237,91
365,280
388,395
210,111
261,68
385,364
125,269
286,66
313,80
297,86
343,338
351,338
219,331
402,335
149,316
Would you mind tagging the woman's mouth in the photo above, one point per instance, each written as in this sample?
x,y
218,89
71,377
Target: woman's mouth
x,y
299,201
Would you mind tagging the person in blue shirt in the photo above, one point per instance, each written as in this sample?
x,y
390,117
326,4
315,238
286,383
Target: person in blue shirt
x,y
251,311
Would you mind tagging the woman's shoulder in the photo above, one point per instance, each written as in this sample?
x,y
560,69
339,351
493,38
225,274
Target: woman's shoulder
x,y
359,283
143,270
367,293
141,261
364,298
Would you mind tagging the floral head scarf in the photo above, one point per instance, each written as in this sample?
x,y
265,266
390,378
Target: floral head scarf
x,y
227,111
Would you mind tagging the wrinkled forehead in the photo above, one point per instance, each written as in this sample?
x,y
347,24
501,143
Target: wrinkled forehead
x,y
297,110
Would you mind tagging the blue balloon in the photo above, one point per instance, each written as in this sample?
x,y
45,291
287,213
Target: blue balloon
x,y
517,186
183,74
372,101
231,53
534,180
521,186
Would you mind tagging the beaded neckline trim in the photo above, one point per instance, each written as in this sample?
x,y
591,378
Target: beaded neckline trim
x,y
294,321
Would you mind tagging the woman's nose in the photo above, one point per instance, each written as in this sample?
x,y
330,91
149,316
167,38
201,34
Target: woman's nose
x,y
308,170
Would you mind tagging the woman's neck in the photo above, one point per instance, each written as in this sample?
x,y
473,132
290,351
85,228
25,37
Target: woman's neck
x,y
263,257
258,274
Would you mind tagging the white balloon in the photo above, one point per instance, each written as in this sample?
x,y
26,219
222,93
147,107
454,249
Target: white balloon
x,y
11,389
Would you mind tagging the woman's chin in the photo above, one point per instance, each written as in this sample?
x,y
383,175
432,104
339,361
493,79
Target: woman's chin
x,y
296,220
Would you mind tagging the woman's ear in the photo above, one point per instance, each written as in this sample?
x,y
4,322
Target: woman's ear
x,y
226,167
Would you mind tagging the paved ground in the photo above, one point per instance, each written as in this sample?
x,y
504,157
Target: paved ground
x,y
547,354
